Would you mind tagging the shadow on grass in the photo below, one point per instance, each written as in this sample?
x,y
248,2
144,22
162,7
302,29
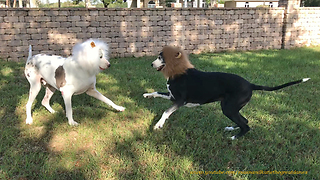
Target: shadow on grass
x,y
32,151
284,123
23,156
284,135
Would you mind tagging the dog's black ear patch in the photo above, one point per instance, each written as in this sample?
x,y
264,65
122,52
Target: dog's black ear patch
x,y
60,76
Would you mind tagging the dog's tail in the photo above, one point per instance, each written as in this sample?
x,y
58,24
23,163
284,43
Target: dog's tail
x,y
266,88
30,53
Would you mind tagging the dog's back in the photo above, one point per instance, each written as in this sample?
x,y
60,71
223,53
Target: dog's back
x,y
43,65
205,87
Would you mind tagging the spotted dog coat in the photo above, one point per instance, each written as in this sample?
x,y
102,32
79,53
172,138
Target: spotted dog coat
x,y
73,75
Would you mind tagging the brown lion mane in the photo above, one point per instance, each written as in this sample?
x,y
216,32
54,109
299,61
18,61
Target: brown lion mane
x,y
177,62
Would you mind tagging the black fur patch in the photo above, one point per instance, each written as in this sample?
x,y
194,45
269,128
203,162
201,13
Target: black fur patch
x,y
60,76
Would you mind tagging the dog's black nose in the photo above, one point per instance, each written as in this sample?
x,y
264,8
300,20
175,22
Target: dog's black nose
x,y
109,65
151,65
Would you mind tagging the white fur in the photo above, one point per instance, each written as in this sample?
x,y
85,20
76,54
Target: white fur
x,y
157,63
305,79
80,69
161,121
190,105
154,95
171,95
230,128
165,116
233,138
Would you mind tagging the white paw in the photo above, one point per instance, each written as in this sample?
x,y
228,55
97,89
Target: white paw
x,y
52,111
73,123
158,126
148,95
120,108
230,128
233,138
29,120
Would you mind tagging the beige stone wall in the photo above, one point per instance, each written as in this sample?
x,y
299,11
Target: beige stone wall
x,y
303,27
143,32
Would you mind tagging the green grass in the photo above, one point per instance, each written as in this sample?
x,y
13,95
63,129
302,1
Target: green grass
x,y
284,124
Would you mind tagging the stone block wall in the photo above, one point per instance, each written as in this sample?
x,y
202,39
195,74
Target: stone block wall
x,y
303,27
143,32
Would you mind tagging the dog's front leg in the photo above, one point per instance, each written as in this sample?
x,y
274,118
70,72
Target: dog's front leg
x,y
166,115
157,94
96,94
67,102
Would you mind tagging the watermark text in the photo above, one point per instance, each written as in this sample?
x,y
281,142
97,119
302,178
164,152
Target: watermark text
x,y
248,172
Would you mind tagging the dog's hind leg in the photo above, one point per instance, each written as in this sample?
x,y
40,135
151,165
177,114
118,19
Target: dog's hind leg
x,y
35,87
96,94
235,127
166,115
240,121
231,108
46,99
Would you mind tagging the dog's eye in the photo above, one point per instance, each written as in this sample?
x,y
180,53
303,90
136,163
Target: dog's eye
x,y
101,56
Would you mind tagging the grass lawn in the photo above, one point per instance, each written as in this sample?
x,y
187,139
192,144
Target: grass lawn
x,y
284,136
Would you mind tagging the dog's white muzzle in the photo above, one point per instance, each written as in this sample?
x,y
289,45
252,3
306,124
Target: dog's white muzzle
x,y
158,64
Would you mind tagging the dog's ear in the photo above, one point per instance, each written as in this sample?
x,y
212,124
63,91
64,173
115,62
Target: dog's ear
x,y
93,44
178,55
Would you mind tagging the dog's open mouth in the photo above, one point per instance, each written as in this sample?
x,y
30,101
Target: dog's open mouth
x,y
101,68
160,68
